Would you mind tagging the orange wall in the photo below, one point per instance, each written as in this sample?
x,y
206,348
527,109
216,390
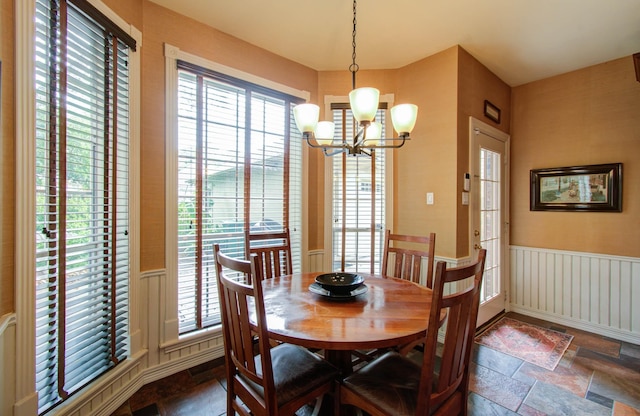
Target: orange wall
x,y
448,87
7,157
129,10
428,163
163,26
475,84
588,116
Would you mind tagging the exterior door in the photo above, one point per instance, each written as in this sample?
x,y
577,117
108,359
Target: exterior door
x,y
489,213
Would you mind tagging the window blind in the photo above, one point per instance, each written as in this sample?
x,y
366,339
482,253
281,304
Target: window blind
x,y
239,166
358,201
82,265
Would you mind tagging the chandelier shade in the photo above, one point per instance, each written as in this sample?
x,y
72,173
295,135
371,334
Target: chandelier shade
x,y
403,117
306,116
374,133
364,104
324,132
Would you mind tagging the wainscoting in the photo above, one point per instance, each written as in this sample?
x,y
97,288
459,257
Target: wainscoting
x,y
594,292
7,362
316,260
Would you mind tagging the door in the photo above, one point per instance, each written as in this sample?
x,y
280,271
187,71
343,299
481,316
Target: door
x,y
489,213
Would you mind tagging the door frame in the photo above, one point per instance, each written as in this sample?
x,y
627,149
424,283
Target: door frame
x,y
475,127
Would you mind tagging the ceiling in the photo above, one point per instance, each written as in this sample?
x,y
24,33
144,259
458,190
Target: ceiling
x,y
518,40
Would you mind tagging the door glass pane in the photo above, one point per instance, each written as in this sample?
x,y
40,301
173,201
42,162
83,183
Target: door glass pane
x,y
490,221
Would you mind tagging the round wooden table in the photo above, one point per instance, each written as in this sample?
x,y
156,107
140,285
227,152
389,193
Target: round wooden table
x,y
392,312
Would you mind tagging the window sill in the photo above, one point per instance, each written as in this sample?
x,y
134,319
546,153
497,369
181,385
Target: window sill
x,y
192,338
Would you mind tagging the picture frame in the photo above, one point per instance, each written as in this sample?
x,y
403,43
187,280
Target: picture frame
x,y
596,188
491,111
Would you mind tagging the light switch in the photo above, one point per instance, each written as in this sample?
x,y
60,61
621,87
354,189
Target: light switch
x,y
465,198
429,198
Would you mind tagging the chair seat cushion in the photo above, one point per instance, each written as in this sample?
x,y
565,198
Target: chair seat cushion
x,y
296,371
390,383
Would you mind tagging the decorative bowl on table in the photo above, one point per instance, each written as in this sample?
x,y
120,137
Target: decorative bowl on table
x,y
340,283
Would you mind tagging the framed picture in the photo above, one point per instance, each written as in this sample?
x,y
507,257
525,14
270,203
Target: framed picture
x,y
491,111
577,188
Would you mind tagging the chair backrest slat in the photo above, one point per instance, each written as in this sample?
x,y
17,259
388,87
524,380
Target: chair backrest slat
x,y
406,259
273,250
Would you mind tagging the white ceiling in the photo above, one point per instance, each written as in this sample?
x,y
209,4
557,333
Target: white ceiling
x,y
518,40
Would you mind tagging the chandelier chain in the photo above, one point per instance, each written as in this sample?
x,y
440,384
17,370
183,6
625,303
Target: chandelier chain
x,y
353,68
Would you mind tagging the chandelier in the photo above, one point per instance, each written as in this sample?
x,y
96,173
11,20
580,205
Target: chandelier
x,y
364,105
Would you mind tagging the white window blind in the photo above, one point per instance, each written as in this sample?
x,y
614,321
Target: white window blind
x,y
358,202
82,244
239,167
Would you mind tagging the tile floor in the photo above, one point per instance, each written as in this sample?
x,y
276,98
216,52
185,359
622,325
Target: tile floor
x,y
597,376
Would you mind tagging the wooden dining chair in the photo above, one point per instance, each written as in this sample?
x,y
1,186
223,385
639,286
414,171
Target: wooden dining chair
x,y
269,381
404,256
273,250
394,385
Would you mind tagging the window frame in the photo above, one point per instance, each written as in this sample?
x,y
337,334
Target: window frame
x,y
171,336
25,201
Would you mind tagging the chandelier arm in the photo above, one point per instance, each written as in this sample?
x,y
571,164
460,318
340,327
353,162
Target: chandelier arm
x,y
329,146
336,152
309,136
402,141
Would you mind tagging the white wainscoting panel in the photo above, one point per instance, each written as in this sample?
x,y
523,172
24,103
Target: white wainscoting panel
x,y
7,363
594,292
316,261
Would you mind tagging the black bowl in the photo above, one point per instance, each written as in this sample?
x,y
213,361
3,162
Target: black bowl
x,y
339,283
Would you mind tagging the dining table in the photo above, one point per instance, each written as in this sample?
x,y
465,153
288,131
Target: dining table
x,y
384,312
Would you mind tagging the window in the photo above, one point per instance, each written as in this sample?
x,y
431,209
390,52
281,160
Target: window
x,y
82,206
238,168
359,202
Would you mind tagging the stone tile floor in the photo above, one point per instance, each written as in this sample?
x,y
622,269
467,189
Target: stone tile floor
x,y
597,376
